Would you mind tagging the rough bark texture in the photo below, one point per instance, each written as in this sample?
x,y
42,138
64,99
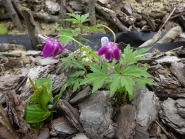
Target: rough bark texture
x,y
62,12
31,26
110,15
91,10
13,14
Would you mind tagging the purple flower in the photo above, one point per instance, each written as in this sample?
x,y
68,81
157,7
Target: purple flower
x,y
110,50
52,47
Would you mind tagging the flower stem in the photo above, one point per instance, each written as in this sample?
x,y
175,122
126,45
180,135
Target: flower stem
x,y
80,44
109,30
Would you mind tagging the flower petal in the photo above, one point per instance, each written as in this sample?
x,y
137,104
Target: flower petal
x,y
48,49
116,53
103,50
62,48
108,54
55,52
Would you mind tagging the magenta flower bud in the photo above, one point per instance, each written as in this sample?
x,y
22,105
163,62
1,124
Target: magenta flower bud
x,y
110,50
52,47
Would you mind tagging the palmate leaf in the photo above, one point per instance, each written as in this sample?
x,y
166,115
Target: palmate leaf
x,y
143,81
84,18
77,18
97,78
131,56
74,21
65,40
78,73
136,71
93,28
129,86
115,85
97,69
75,79
120,82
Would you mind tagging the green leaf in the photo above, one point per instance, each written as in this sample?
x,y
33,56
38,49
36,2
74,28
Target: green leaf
x,y
84,18
115,85
78,64
34,113
93,28
129,86
96,68
91,77
76,85
57,97
135,71
47,82
131,56
104,68
74,21
3,30
38,125
98,83
43,93
65,40
78,73
76,31
143,81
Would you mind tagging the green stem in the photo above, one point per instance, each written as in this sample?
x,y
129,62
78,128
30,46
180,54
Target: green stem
x,y
80,44
71,39
109,30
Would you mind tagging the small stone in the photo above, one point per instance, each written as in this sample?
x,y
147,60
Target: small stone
x,y
127,8
52,7
96,115
63,127
48,61
33,53
146,104
104,1
169,115
26,60
80,136
76,5
4,47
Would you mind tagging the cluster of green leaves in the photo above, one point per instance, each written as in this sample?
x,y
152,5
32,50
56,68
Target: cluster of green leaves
x,y
36,111
79,20
80,66
120,76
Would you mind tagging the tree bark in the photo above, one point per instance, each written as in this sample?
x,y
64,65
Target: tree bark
x,y
13,14
63,15
31,25
111,16
91,10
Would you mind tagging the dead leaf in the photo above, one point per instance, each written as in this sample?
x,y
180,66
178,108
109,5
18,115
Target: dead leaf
x,y
6,129
16,110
